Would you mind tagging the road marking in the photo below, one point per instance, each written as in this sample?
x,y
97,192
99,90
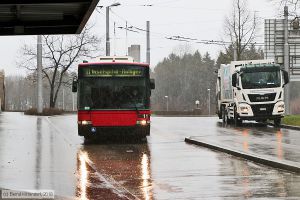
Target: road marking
x,y
69,142
118,188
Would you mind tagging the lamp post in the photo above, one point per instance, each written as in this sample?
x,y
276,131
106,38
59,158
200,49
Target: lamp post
x,y
208,101
167,97
107,27
63,99
73,102
197,102
39,75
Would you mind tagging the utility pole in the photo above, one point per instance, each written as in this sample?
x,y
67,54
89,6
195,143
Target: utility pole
x,y
208,101
286,61
235,51
39,76
126,42
107,27
63,98
107,32
148,43
73,102
167,98
115,43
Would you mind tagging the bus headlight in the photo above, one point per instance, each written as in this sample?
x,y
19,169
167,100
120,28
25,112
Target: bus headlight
x,y
84,122
142,122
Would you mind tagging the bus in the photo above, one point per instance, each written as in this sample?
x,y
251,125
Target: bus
x,y
113,96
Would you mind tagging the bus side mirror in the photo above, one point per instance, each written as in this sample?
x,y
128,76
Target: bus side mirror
x,y
152,84
286,77
233,80
74,84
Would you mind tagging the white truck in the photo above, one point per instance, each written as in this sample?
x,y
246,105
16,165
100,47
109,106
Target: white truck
x,y
251,90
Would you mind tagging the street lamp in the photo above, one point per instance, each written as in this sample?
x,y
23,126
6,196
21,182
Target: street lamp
x,y
208,101
167,97
197,102
107,27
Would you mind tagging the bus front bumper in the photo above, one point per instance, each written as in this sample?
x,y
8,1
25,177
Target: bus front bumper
x,y
137,130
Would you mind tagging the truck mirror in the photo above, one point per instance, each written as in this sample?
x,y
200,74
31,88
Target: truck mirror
x,y
233,80
286,77
74,84
152,83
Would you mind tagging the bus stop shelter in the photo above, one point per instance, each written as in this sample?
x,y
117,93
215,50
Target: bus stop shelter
x,y
44,17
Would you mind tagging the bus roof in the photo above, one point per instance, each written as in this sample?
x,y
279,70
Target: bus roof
x,y
113,63
113,60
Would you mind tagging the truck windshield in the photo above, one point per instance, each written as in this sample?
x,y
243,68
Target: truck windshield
x,y
267,79
113,93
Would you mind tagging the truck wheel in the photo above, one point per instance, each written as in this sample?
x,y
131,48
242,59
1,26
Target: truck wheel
x,y
220,115
237,121
223,112
277,122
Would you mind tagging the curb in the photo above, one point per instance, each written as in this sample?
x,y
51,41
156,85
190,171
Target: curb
x,y
297,128
248,156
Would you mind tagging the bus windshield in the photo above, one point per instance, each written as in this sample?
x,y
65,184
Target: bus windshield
x,y
261,79
113,93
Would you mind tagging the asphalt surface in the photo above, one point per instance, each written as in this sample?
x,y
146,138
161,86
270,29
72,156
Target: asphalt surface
x,y
46,153
260,143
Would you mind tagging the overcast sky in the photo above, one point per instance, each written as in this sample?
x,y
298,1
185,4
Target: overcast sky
x,y
199,19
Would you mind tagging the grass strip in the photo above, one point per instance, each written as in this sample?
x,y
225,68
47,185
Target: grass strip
x,y
293,120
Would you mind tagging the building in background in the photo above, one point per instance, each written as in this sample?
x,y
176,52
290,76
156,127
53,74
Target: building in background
x,y
2,91
135,52
275,44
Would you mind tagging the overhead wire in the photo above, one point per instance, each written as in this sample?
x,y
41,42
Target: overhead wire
x,y
138,30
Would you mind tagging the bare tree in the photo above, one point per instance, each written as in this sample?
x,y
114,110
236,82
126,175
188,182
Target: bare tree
x,y
293,4
182,49
240,27
59,55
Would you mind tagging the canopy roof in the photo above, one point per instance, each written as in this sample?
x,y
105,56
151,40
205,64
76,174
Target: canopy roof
x,y
37,17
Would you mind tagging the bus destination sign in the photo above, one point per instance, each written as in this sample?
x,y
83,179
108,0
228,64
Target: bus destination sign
x,y
102,72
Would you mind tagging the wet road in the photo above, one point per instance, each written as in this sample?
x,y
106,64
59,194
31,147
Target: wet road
x,y
46,153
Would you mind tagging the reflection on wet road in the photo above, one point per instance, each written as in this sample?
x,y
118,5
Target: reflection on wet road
x,y
83,174
33,156
46,153
264,140
124,166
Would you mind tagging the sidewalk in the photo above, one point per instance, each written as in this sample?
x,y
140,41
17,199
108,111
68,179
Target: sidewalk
x,y
278,148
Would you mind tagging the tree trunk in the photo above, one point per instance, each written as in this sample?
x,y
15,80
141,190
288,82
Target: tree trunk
x,y
52,100
52,104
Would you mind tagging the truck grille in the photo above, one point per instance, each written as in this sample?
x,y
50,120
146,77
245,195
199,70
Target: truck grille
x,y
262,98
263,109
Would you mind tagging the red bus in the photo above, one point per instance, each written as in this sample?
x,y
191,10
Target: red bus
x,y
113,98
